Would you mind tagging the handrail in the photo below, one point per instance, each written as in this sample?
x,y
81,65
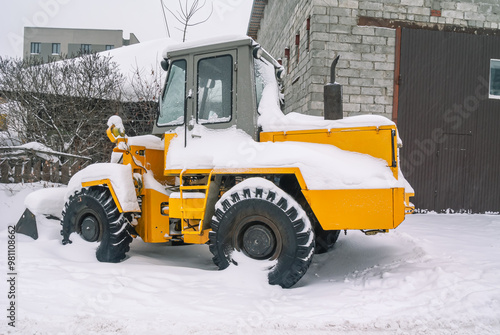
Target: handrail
x,y
194,187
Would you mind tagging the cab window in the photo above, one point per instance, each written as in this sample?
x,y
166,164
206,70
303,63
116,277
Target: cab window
x,y
215,89
174,96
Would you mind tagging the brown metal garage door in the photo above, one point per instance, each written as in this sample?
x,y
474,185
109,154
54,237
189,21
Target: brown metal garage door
x,y
448,124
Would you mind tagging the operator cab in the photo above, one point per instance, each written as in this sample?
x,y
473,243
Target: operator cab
x,y
212,84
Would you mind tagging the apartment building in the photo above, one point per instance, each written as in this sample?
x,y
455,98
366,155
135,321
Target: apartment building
x,y
52,43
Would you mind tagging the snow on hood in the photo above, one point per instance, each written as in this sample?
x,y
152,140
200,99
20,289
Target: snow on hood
x,y
323,166
148,141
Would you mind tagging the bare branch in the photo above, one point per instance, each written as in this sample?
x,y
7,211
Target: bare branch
x,y
186,14
165,17
175,16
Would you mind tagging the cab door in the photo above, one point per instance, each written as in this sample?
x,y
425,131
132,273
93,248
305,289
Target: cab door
x,y
214,95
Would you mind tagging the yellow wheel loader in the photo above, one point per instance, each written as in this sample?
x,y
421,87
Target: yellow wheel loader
x,y
225,167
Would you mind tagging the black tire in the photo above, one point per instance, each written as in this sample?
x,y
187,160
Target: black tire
x,y
264,223
92,213
325,239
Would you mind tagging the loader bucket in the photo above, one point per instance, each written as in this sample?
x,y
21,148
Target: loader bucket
x,y
27,225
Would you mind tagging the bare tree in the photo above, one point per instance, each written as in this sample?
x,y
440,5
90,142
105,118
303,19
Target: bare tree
x,y
63,105
186,13
142,94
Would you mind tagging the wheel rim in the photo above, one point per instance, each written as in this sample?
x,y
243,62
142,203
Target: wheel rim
x,y
258,238
258,242
90,228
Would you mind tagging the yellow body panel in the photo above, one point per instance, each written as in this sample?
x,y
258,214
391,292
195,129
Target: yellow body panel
x,y
153,161
243,171
374,141
166,140
187,208
141,158
196,237
153,225
357,209
106,182
410,208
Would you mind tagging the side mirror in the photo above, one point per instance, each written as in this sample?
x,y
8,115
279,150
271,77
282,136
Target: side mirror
x,y
280,73
257,52
165,64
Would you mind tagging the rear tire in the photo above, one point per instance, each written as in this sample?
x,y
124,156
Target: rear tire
x,y
264,223
325,239
92,213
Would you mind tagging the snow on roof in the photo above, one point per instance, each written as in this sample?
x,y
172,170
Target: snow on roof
x,y
144,55
137,61
143,58
216,40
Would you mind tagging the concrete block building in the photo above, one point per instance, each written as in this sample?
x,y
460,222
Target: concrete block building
x,y
432,66
54,42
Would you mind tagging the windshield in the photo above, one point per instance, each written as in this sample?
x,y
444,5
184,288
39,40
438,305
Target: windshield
x,y
173,98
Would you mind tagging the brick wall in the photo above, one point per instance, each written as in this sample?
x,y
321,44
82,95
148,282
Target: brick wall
x,y
366,66
281,22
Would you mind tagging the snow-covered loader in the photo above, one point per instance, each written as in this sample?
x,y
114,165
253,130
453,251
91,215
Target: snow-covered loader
x,y
225,167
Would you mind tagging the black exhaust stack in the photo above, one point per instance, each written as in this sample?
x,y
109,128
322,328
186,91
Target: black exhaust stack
x,y
333,96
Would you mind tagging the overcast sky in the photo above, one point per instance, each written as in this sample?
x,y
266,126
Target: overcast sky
x,y
144,18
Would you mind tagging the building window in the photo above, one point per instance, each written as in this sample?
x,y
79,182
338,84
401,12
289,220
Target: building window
x,y
85,49
56,48
494,79
35,47
110,47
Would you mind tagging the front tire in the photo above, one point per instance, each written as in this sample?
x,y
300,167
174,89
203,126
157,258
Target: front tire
x,y
263,222
92,213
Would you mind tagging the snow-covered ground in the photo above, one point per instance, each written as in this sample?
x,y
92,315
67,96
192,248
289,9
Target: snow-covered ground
x,y
435,274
